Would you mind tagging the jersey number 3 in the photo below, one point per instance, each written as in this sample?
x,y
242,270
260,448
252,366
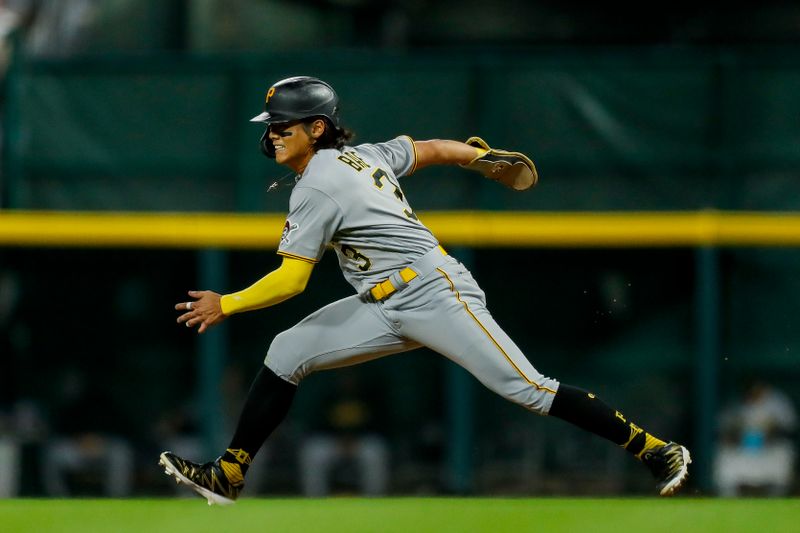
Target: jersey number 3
x,y
378,175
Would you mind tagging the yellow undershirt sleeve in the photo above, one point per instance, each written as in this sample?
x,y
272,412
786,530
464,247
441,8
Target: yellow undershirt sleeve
x,y
288,280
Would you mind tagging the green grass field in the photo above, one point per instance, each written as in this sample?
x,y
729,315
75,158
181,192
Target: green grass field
x,y
407,515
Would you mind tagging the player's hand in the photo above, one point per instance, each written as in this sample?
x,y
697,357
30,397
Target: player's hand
x,y
205,311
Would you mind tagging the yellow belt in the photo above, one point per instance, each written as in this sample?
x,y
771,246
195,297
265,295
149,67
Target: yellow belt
x,y
386,288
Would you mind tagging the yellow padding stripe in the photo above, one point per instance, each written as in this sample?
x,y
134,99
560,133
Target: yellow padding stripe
x,y
488,334
458,228
299,257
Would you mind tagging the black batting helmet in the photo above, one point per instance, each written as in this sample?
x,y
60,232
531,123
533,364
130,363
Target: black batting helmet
x,y
295,99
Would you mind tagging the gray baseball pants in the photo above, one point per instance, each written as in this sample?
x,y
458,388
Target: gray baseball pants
x,y
443,309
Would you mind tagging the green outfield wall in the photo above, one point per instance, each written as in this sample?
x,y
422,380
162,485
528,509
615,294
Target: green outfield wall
x,y
641,129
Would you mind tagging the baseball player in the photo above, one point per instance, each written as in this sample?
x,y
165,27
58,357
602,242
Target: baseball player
x,y
409,291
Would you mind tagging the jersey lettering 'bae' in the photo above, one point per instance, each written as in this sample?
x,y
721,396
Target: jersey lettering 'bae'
x,y
409,291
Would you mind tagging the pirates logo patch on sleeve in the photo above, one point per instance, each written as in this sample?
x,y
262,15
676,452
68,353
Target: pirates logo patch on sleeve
x,y
288,228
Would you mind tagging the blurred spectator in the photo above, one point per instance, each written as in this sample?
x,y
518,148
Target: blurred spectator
x,y
9,466
51,27
9,22
756,451
22,430
85,450
178,431
22,425
14,337
347,448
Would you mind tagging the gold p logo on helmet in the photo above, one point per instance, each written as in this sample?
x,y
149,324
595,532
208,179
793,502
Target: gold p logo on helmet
x,y
270,93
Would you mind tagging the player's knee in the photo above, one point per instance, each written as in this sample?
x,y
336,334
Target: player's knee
x,y
282,358
535,396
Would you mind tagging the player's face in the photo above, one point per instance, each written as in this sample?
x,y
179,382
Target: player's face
x,y
293,145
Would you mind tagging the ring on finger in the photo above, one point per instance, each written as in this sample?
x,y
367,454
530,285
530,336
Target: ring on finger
x,y
188,306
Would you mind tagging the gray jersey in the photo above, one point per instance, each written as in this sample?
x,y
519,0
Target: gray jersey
x,y
352,199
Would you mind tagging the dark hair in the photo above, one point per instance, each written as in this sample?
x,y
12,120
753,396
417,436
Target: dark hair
x,y
333,137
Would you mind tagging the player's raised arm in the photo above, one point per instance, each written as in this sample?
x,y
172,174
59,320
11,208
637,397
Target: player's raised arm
x,y
443,152
211,308
512,169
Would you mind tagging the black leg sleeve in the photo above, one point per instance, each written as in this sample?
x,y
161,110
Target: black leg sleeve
x,y
585,410
266,406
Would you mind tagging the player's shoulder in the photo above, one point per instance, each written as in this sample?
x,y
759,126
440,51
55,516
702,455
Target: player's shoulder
x,y
402,143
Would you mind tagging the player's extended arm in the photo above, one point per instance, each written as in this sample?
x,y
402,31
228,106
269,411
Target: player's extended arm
x,y
210,308
512,169
288,280
443,152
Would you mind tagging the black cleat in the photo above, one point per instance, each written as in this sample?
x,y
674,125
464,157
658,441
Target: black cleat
x,y
670,466
208,479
